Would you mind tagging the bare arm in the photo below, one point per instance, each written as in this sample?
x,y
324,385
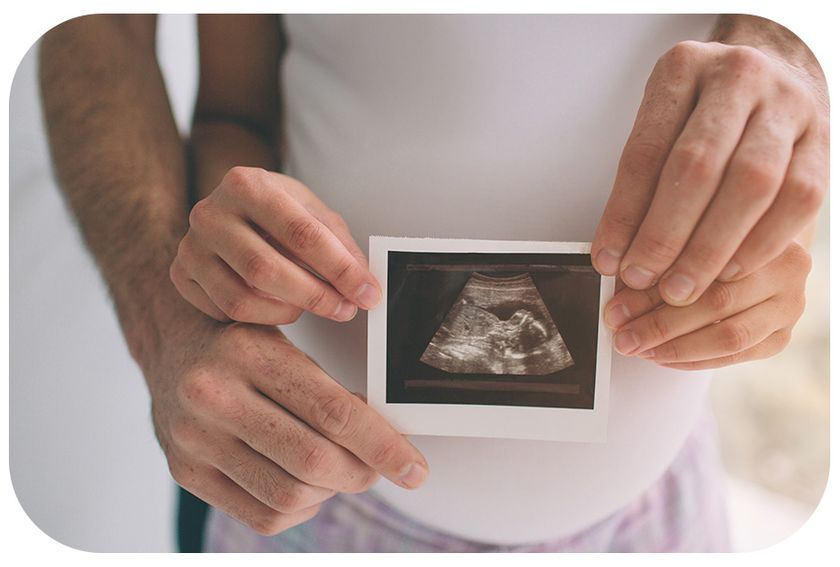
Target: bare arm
x,y
238,106
118,158
248,422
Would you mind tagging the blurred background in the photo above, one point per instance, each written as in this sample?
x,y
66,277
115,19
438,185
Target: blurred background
x,y
85,463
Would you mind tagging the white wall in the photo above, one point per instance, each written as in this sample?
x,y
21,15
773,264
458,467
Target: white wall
x,y
84,461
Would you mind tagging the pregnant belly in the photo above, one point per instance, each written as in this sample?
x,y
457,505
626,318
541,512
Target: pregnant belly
x,y
511,491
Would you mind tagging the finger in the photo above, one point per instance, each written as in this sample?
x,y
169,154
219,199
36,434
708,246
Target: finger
x,y
319,401
259,264
297,230
662,325
628,304
239,301
752,180
770,346
298,449
212,486
689,179
664,110
731,335
193,293
798,202
267,482
339,227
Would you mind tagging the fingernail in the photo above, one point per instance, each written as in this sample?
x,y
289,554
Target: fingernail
x,y
617,315
637,278
730,271
412,475
646,353
608,261
345,311
626,342
367,296
678,287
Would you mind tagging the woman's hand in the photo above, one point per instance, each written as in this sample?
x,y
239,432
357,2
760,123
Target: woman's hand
x,y
726,164
262,248
731,322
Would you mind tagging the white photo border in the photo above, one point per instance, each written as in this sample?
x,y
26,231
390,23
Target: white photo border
x,y
470,420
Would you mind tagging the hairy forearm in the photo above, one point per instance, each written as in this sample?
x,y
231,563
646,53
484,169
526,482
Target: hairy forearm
x,y
118,159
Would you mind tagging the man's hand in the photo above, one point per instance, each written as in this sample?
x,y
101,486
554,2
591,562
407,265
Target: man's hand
x,y
253,246
727,162
254,427
731,322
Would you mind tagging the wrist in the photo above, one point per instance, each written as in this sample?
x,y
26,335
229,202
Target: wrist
x,y
154,317
774,40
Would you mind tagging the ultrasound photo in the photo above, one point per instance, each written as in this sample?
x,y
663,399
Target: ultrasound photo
x,y
500,329
489,338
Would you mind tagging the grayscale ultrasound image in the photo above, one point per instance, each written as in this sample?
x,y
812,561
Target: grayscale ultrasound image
x,y
492,329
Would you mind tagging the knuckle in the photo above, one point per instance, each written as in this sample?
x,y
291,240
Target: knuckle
x,y
735,337
316,298
176,271
619,224
658,329
287,498
335,219
668,351
680,57
695,160
657,247
759,178
201,214
642,156
346,270
703,258
746,59
181,473
782,340
236,306
317,461
289,316
363,481
243,181
260,270
203,391
797,94
333,414
192,389
303,233
809,194
719,298
802,259
268,523
368,479
385,453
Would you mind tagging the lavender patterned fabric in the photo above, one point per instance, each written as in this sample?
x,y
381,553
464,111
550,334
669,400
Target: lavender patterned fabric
x,y
682,512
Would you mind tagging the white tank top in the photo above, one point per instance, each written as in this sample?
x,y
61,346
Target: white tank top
x,y
498,127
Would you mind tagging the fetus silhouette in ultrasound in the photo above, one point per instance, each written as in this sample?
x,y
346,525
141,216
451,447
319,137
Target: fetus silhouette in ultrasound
x,y
498,325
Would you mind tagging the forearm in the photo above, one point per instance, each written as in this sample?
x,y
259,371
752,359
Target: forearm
x,y
119,160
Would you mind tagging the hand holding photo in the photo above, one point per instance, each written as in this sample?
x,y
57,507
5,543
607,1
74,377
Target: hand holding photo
x,y
489,339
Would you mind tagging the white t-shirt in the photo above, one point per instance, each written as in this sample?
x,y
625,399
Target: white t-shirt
x,y
500,127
